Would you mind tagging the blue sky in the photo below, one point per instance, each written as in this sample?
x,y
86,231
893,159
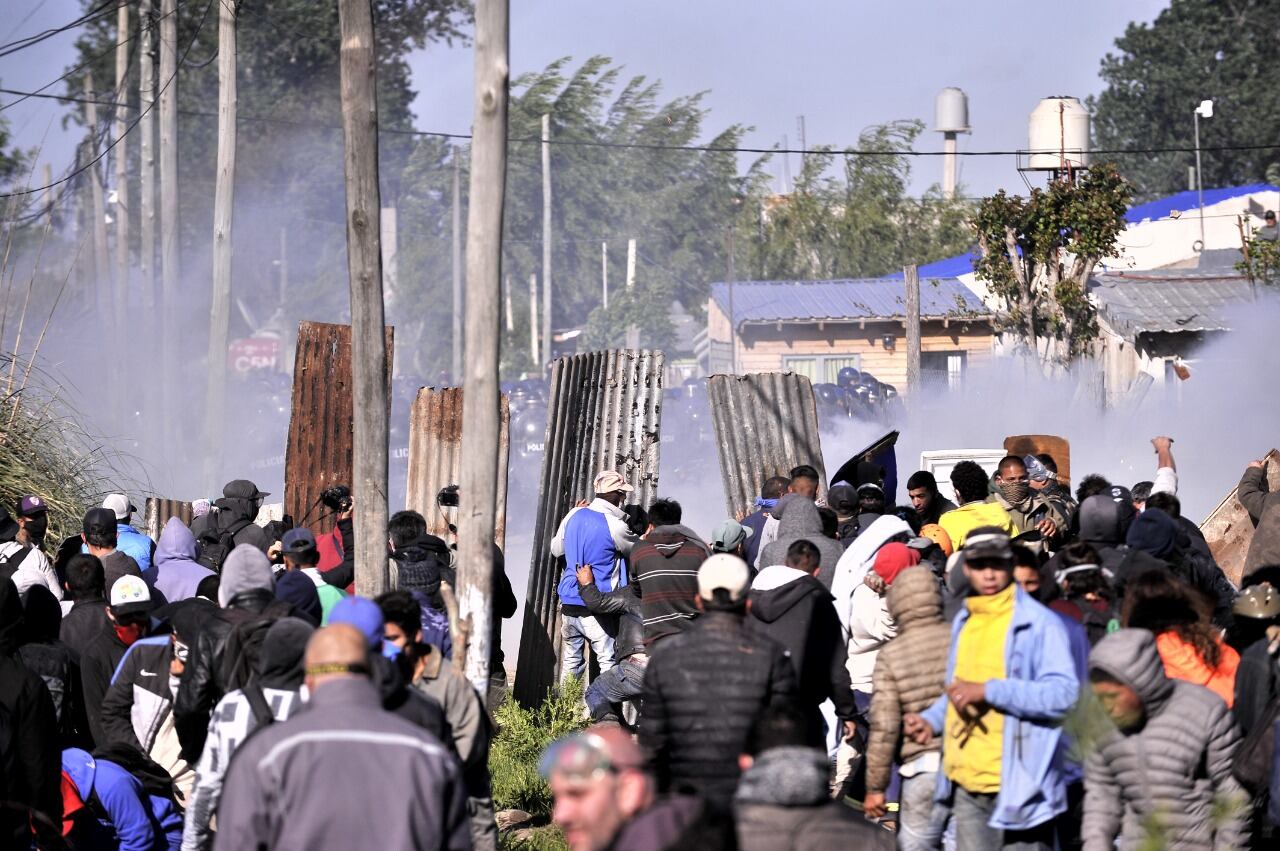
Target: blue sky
x,y
843,64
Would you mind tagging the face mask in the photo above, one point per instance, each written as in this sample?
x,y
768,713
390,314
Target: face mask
x,y
304,693
129,633
37,527
1015,492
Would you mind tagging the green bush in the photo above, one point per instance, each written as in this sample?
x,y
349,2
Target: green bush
x,y
523,735
547,838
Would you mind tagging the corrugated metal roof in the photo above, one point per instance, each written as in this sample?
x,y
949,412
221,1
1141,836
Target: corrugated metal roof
x,y
842,300
1168,302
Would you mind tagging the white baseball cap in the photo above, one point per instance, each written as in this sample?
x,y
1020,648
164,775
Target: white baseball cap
x,y
119,503
607,481
723,571
130,594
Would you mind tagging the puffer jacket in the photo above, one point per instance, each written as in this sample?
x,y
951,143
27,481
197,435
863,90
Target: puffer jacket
x,y
665,566
909,672
793,609
783,804
1174,770
703,689
1264,511
800,521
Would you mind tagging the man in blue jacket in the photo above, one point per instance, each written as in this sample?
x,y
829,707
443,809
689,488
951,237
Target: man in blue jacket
x,y
118,812
129,540
1011,679
595,534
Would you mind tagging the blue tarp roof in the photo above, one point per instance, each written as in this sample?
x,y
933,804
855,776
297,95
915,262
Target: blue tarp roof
x,y
842,300
951,267
1184,201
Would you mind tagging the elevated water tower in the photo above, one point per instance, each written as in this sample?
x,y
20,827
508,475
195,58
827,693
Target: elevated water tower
x,y
950,118
1058,136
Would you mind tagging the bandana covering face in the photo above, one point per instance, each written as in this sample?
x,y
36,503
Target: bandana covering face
x,y
129,633
1015,492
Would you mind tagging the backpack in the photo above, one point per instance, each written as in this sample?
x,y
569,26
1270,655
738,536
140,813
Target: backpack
x,y
1098,625
1255,755
243,649
13,561
215,544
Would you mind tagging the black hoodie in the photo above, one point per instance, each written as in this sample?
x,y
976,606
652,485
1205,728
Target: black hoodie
x,y
31,761
795,609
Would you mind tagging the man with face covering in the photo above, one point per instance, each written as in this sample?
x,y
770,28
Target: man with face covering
x,y
1031,510
128,621
1188,789
236,512
22,561
274,696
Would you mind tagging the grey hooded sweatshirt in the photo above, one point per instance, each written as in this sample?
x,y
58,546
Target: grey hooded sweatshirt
x,y
1173,771
800,521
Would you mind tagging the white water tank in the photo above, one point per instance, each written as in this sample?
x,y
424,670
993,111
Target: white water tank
x,y
951,111
1058,135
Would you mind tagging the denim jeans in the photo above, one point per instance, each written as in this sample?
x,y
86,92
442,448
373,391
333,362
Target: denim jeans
x,y
576,633
624,681
921,820
972,811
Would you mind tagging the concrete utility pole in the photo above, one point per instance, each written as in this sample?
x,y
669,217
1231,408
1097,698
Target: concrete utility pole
x,y
119,298
364,266
147,164
101,257
284,265
170,245
223,211
506,305
546,239
733,330
633,333
533,318
456,372
46,199
912,277
480,400
604,275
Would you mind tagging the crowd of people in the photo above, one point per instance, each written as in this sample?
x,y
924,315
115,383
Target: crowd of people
x,y
207,689
1026,666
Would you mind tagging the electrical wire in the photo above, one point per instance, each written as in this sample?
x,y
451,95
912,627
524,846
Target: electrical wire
x,y
93,14
656,146
143,113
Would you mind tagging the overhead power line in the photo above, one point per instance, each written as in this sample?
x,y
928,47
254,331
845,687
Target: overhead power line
x,y
657,146
101,10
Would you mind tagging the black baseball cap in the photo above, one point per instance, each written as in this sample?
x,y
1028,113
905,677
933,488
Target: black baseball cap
x,y
99,519
298,540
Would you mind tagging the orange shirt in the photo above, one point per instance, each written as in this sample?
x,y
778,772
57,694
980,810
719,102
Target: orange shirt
x,y
1182,662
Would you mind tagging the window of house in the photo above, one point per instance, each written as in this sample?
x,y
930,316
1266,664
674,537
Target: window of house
x,y
820,369
943,370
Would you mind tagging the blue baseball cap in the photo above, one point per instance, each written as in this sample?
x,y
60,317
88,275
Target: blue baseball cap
x,y
298,540
364,615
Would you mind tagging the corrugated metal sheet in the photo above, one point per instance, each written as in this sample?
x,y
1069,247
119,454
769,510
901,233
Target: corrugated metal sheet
x,y
157,512
765,423
319,450
435,456
1229,531
842,300
1147,303
603,413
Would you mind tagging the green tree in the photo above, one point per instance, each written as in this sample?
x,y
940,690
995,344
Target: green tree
x,y
1261,261
1221,49
860,222
1037,254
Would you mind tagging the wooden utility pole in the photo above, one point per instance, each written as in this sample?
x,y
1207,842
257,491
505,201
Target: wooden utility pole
x,y
533,319
457,269
223,212
480,399
120,293
101,257
546,239
364,267
147,158
170,245
912,277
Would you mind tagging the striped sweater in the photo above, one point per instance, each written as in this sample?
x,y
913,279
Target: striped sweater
x,y
665,567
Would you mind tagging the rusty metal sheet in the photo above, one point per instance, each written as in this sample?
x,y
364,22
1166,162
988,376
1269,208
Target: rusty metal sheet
x,y
1047,444
435,456
766,423
321,431
1228,529
603,412
157,512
